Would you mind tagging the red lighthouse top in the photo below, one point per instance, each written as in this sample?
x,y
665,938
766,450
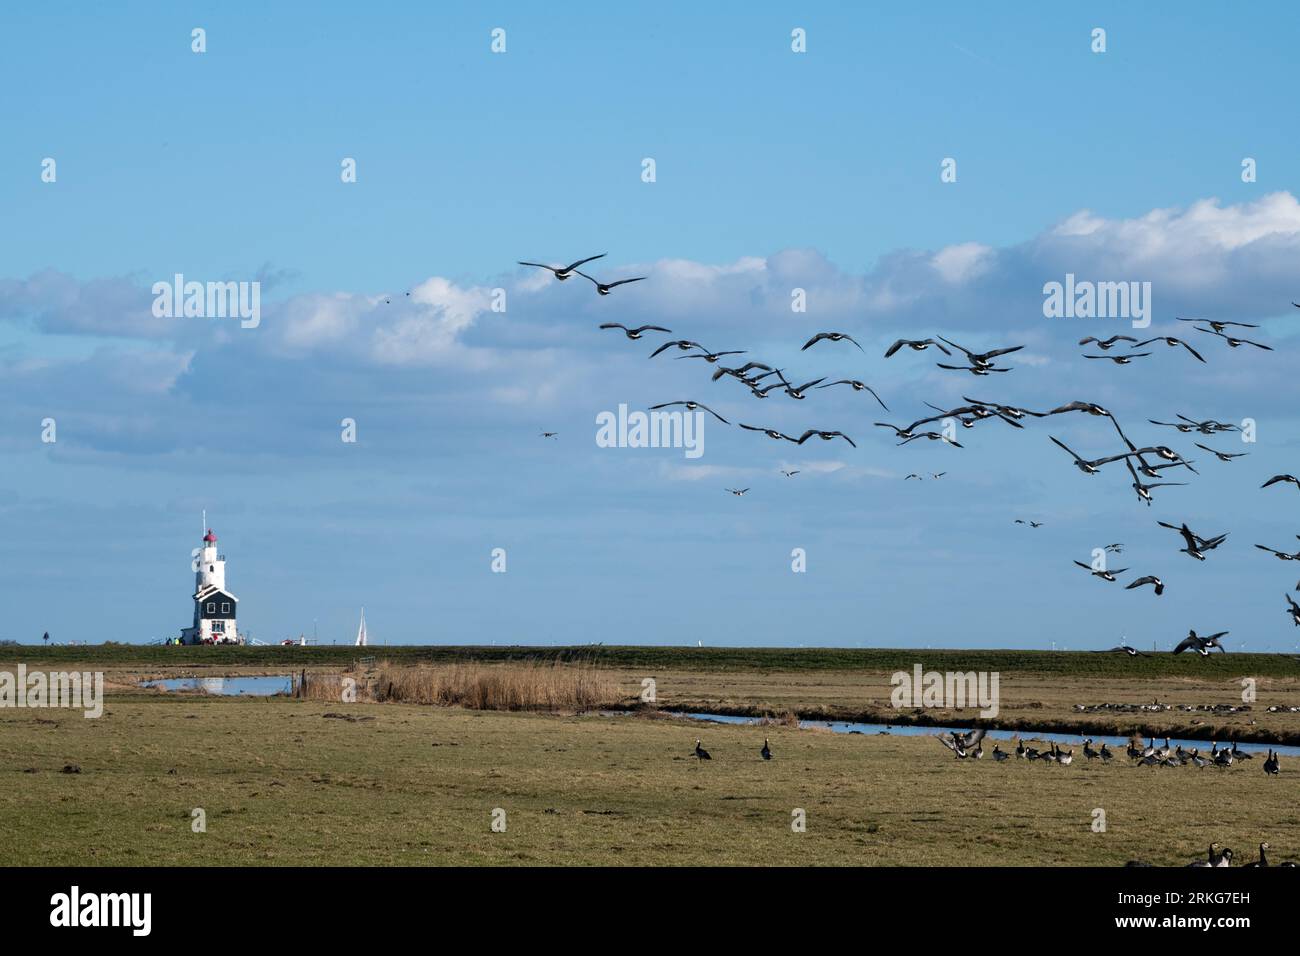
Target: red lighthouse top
x,y
210,537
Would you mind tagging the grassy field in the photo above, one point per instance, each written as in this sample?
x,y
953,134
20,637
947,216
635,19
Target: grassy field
x,y
647,659
282,783
1039,689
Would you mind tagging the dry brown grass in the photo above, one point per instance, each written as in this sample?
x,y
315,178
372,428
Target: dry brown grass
x,y
550,687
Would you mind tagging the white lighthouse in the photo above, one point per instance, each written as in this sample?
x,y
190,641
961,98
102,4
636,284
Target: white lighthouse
x,y
214,606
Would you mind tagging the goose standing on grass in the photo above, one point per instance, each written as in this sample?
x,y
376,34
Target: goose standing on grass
x,y
1000,755
1198,759
700,752
1020,747
1211,858
1088,752
1106,755
1063,757
1271,764
1225,858
1263,860
766,752
1239,754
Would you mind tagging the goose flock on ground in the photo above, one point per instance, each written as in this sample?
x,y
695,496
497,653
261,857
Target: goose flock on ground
x,y
1149,461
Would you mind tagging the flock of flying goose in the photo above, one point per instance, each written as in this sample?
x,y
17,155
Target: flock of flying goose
x,y
1146,465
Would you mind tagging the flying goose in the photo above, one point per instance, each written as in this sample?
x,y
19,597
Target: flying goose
x,y
1124,648
1148,579
1181,426
603,288
769,432
1120,359
1105,344
858,387
1291,479
1032,524
1088,408
636,333
1103,574
1220,326
961,744
1144,490
738,492
741,372
1172,342
932,436
1209,426
691,406
710,357
832,337
973,369
916,345
978,412
1201,645
562,272
788,473
1233,341
1085,466
982,359
824,436
1292,609
684,344
1280,555
1196,545
798,393
1225,456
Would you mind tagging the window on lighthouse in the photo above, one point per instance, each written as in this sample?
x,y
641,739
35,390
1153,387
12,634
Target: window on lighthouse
x,y
225,607
212,607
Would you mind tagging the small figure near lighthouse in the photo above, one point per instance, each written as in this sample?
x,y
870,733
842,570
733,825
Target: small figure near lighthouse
x,y
214,606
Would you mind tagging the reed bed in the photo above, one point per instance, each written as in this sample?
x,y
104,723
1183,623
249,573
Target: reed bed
x,y
535,686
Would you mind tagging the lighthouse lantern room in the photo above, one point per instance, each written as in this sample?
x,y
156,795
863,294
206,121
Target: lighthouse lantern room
x,y
214,606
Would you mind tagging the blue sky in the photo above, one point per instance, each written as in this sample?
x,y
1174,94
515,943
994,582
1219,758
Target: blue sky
x,y
775,170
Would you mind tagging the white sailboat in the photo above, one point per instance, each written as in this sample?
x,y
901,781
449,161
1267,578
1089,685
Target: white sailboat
x,y
361,631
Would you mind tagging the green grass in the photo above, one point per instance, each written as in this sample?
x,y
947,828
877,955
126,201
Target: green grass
x,y
282,784
1066,663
